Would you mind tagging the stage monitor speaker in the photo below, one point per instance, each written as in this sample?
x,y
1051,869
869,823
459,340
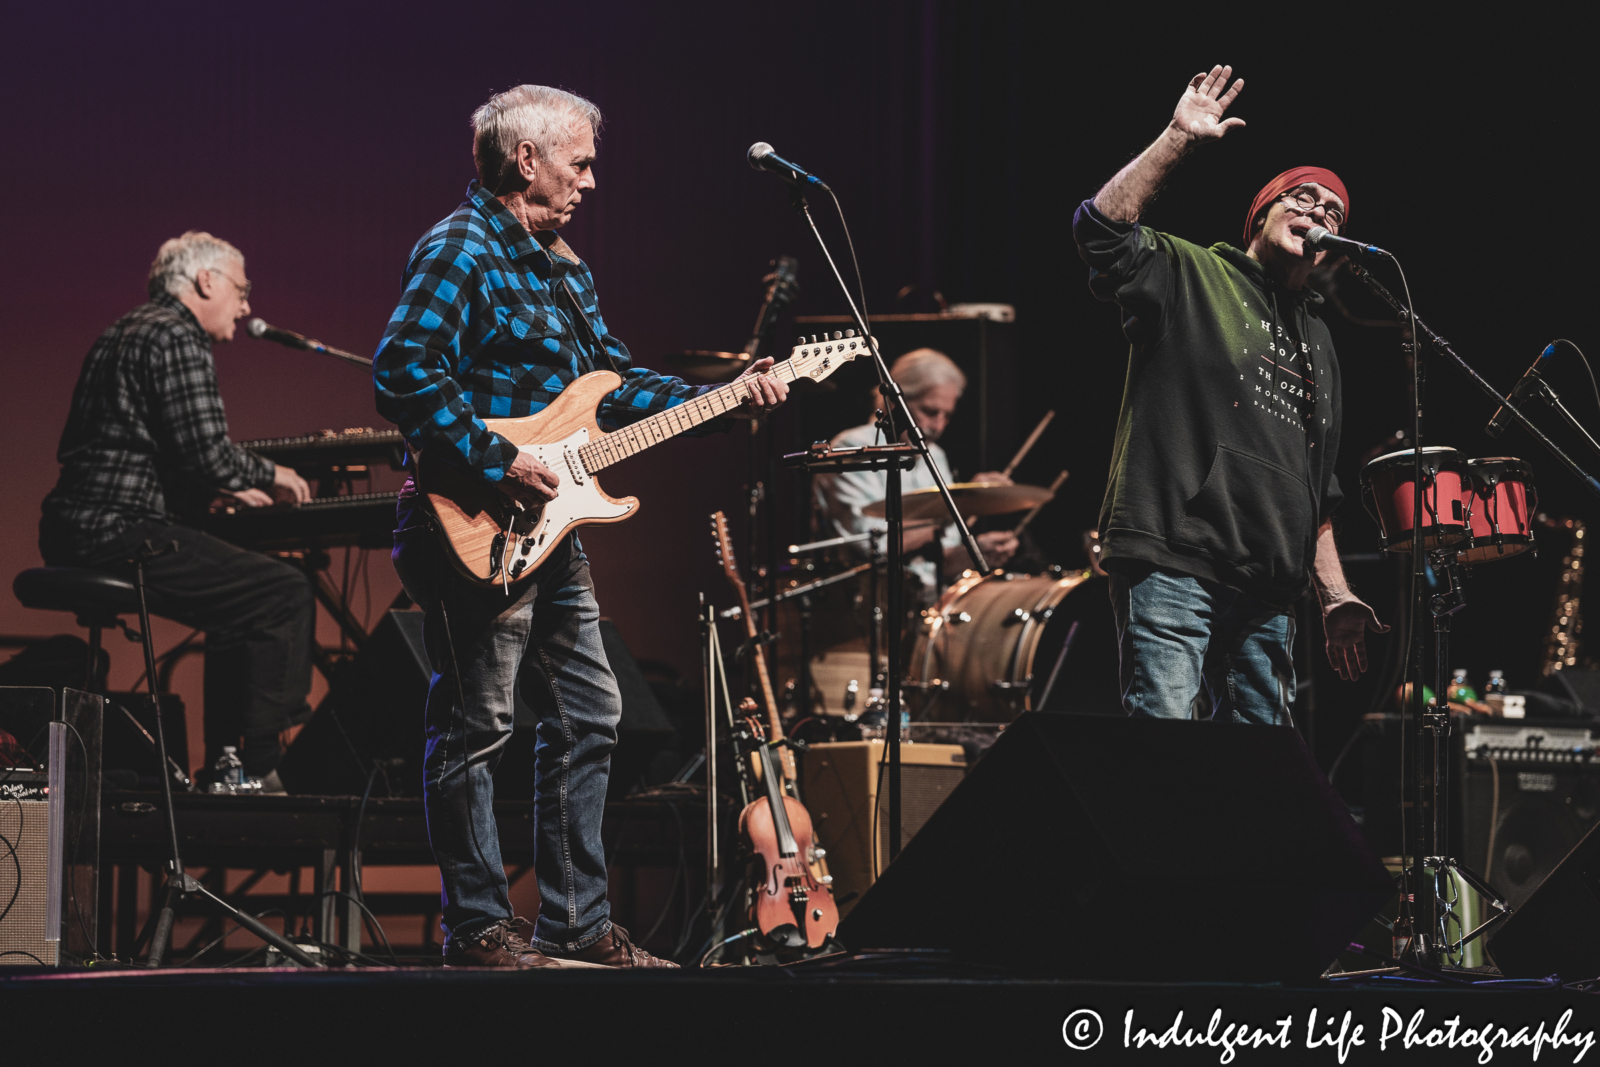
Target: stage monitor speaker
x,y
1528,795
1557,929
845,789
49,826
1097,847
372,716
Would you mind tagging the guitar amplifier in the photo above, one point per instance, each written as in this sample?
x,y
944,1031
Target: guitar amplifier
x,y
846,790
50,826
1529,791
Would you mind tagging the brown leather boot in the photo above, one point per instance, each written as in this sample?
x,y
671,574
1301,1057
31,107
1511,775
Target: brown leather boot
x,y
499,945
615,949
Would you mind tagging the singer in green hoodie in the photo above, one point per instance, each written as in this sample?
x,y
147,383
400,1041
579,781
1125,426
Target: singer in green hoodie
x,y
1217,515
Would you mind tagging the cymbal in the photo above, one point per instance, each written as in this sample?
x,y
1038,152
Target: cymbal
x,y
972,498
709,365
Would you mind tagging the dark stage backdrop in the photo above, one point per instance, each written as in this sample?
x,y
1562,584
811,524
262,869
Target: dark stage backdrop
x,y
323,139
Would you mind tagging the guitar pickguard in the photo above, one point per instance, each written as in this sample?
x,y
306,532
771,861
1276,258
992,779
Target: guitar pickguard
x,y
535,532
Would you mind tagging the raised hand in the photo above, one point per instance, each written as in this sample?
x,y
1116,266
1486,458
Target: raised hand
x,y
1198,115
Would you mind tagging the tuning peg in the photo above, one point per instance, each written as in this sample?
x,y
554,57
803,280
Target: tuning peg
x,y
849,333
837,335
813,338
800,340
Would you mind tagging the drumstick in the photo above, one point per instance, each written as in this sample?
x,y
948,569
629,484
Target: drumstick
x,y
1023,525
1028,444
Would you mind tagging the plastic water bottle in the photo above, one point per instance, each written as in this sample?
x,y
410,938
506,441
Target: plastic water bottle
x,y
1494,692
1460,691
229,770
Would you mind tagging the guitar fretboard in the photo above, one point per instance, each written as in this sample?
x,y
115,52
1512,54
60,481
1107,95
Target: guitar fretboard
x,y
635,438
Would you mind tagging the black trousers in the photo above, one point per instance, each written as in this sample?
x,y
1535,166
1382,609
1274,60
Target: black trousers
x,y
259,618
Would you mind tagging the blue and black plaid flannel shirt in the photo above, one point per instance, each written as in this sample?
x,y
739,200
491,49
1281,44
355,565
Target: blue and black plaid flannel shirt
x,y
146,439
479,333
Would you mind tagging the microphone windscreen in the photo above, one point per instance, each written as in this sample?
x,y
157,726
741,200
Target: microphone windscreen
x,y
758,151
255,327
1315,235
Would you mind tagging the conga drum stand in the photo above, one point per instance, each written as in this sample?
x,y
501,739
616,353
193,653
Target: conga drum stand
x,y
1420,930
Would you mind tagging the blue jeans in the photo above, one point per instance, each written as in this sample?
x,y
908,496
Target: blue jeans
x,y
1178,635
545,638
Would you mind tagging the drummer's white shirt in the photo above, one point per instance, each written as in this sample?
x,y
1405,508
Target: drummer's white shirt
x,y
842,496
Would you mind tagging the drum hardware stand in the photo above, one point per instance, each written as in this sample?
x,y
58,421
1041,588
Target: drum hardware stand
x,y
897,418
1419,931
875,623
180,885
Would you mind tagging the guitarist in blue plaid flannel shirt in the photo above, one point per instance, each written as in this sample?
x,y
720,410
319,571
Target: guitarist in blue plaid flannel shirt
x,y
491,324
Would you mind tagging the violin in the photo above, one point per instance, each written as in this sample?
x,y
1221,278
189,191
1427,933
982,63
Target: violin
x,y
792,907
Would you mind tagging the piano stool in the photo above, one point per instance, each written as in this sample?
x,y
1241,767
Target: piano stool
x,y
97,599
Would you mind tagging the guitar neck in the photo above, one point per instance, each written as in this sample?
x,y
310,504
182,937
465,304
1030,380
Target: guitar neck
x,y
664,425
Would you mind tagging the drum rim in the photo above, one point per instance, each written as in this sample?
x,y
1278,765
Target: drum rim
x,y
1511,463
1427,450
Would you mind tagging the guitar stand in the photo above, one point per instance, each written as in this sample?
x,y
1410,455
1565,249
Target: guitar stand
x,y
181,886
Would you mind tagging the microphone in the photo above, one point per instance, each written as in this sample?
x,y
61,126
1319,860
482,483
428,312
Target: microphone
x,y
258,328
1319,238
762,157
1530,377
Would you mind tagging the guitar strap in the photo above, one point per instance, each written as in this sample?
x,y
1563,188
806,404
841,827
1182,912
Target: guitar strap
x,y
588,327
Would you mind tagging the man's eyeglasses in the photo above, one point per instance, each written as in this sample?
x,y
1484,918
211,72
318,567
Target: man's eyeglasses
x,y
244,290
1305,202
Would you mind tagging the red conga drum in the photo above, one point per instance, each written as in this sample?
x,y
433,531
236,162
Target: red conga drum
x,y
1388,485
1503,502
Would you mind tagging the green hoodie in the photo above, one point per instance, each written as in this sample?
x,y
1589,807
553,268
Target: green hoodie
x,y
1223,462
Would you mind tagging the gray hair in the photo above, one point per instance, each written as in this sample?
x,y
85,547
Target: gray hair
x,y
537,113
923,369
181,258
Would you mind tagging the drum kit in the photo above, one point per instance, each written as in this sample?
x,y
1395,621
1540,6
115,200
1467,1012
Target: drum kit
x,y
987,650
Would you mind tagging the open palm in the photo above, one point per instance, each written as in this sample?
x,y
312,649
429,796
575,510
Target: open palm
x,y
1199,112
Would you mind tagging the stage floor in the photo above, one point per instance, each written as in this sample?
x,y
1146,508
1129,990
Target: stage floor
x,y
907,1010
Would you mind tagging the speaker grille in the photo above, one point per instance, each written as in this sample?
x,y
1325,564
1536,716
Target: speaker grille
x,y
25,825
922,789
1544,810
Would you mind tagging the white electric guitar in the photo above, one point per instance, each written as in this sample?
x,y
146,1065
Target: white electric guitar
x,y
493,539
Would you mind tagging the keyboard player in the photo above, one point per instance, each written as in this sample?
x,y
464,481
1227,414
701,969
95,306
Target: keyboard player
x,y
146,442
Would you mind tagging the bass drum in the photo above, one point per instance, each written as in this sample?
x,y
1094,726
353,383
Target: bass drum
x,y
986,651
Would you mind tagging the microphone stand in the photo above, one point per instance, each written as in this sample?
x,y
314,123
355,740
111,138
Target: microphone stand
x,y
894,409
1427,791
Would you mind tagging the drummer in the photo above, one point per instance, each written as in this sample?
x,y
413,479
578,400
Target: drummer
x,y
933,385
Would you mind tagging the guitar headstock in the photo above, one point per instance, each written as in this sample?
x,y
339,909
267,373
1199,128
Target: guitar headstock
x,y
719,533
823,354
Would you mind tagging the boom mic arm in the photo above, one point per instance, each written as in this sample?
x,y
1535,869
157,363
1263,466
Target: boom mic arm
x,y
258,329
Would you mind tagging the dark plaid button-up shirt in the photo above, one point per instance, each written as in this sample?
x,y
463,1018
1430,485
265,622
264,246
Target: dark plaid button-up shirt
x,y
146,437
482,331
